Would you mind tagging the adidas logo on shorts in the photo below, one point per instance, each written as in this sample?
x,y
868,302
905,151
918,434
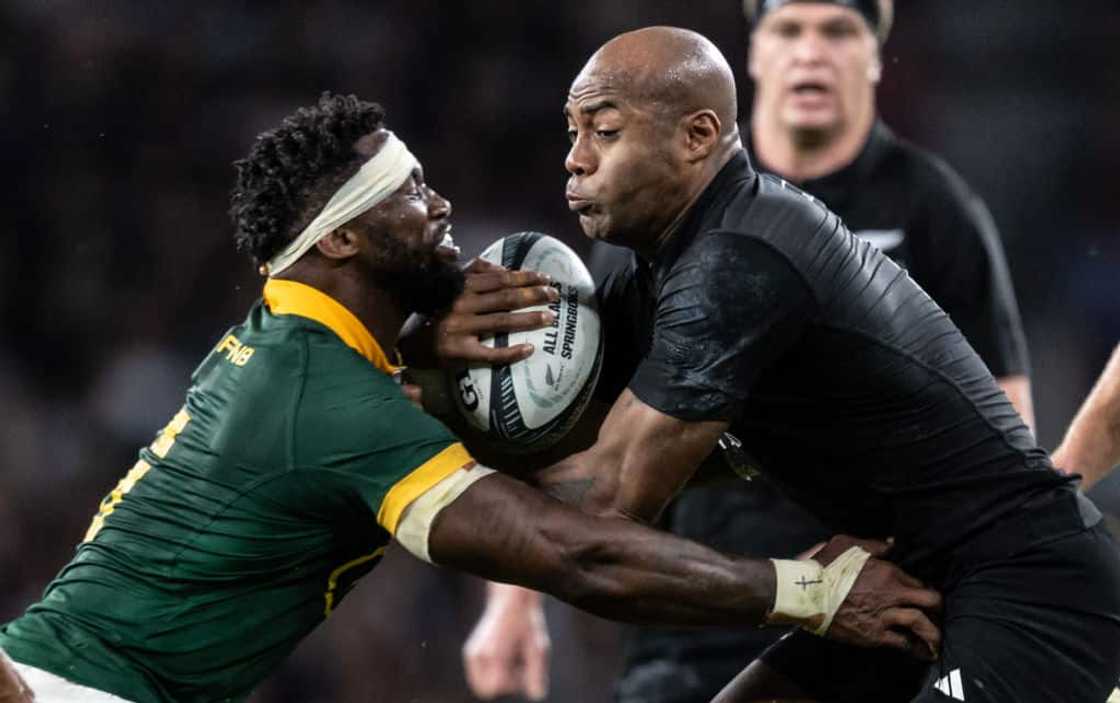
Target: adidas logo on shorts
x,y
951,685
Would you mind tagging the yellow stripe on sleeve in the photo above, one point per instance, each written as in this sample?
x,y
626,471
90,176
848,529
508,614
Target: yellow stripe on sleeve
x,y
415,484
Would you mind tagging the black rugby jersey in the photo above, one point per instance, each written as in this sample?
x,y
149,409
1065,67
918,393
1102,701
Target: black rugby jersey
x,y
916,209
848,386
919,212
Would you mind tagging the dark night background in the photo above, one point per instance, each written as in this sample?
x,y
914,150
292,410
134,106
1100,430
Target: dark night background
x,y
117,272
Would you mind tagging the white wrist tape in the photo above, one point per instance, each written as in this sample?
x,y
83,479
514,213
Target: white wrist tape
x,y
808,594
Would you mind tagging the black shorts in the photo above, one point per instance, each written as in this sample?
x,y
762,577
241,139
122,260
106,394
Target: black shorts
x,y
1031,613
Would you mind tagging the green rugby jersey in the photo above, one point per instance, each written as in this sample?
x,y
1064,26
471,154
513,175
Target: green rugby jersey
x,y
248,518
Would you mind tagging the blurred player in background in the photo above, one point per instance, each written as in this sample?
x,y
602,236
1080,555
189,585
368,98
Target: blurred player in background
x,y
746,306
297,458
815,66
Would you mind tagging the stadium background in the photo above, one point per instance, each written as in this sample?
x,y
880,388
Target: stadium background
x,y
119,123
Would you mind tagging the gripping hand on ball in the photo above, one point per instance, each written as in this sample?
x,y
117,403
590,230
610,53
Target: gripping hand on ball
x,y
488,305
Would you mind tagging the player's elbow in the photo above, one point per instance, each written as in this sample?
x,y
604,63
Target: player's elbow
x,y
592,572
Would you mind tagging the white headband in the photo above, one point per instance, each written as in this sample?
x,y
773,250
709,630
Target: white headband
x,y
376,180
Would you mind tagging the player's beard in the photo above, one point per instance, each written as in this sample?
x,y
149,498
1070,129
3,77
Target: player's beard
x,y
419,281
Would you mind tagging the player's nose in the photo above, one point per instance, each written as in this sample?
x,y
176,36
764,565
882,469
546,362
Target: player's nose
x,y
808,48
580,160
438,206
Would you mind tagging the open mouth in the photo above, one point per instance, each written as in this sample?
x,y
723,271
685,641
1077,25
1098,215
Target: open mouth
x,y
446,246
810,89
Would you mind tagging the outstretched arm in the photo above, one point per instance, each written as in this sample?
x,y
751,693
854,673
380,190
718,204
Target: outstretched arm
x,y
504,530
1092,443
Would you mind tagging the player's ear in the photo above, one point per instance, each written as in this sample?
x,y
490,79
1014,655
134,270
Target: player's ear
x,y
342,243
752,64
702,132
875,68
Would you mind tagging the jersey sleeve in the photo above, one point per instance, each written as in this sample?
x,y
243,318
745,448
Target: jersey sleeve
x,y
725,312
965,271
374,446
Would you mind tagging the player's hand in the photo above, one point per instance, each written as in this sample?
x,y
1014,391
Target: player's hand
x,y
508,651
12,687
1063,461
886,607
485,307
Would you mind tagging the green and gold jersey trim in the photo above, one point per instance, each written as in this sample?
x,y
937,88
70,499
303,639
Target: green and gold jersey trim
x,y
415,484
292,298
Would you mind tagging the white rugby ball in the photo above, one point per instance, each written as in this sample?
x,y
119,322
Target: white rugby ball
x,y
533,403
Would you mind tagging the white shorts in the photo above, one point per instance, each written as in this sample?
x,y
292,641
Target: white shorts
x,y
49,688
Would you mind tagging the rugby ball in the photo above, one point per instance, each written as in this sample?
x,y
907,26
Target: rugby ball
x,y
531,404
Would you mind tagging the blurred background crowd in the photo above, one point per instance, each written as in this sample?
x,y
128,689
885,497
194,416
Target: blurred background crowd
x,y
120,120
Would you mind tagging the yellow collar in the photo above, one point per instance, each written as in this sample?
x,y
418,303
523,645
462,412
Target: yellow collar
x,y
291,298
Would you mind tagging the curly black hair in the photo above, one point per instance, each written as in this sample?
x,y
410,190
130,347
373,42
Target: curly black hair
x,y
291,171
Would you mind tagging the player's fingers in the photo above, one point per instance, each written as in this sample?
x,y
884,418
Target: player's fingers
x,y
895,640
505,299
907,580
875,547
495,322
489,676
480,353
490,281
484,281
535,673
925,599
920,626
469,350
477,679
478,662
479,265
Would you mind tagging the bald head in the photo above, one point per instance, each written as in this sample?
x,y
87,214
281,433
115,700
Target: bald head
x,y
675,71
651,118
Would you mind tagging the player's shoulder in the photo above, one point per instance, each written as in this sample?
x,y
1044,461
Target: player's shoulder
x,y
337,376
346,402
293,346
778,207
780,217
927,175
298,355
253,354
726,269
